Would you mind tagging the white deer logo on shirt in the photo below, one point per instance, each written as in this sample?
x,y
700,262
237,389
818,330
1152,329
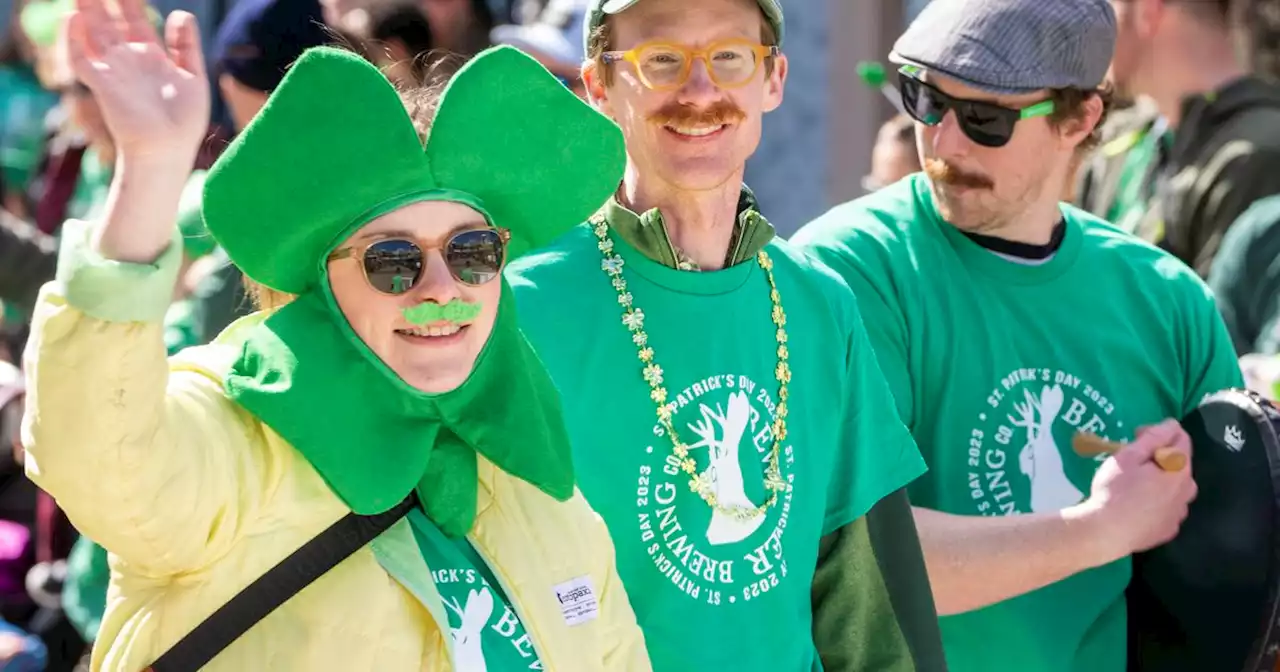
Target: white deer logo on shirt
x,y
724,472
467,652
1040,459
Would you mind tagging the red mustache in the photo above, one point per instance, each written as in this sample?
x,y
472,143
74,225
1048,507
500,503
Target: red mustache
x,y
944,173
680,114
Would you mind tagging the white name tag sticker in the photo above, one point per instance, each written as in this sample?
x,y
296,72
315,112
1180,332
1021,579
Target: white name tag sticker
x,y
577,601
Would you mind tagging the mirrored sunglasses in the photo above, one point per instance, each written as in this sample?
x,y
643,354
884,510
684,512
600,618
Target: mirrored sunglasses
x,y
395,265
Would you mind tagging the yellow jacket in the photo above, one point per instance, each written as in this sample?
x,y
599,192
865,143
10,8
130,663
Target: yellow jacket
x,y
195,498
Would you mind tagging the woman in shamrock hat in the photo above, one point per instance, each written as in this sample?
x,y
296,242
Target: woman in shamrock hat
x,y
394,393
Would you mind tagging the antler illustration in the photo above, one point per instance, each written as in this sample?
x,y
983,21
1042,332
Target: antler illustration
x,y
455,606
706,429
1027,414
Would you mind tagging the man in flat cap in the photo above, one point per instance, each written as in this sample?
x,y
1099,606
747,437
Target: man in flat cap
x,y
1006,323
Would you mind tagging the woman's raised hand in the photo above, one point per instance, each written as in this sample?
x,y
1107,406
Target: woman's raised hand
x,y
153,91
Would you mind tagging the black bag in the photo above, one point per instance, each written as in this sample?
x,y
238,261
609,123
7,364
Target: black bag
x,y
311,561
1207,601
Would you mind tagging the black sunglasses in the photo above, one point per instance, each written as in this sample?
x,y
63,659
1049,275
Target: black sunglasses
x,y
395,265
985,123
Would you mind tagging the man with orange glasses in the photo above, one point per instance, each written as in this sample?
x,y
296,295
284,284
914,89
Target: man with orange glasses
x,y
728,418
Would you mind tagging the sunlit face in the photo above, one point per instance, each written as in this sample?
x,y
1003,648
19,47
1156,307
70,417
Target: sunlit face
x,y
449,20
699,136
983,189
81,106
332,11
243,102
337,12
438,356
1127,62
395,61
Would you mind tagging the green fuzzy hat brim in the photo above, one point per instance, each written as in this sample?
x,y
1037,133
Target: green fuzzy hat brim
x,y
334,143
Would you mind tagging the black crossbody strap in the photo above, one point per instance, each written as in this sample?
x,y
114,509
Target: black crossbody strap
x,y
311,561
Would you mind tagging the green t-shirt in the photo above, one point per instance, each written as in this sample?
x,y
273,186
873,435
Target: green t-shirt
x,y
487,632
710,592
25,104
84,597
90,196
995,364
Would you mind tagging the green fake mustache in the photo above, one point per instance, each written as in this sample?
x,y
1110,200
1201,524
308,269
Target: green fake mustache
x,y
456,311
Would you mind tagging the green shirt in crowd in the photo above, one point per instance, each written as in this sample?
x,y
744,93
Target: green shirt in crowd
x,y
90,196
1137,177
84,596
996,363
24,104
1245,277
710,591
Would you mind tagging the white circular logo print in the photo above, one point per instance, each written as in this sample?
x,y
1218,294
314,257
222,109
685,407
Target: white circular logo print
x,y
727,422
1020,457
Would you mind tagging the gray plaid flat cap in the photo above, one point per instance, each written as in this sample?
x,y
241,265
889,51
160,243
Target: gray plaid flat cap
x,y
1012,46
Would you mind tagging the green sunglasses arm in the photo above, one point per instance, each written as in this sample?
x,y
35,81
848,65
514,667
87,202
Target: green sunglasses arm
x,y
1041,109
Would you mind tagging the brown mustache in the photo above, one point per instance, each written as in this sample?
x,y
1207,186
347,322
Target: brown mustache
x,y
944,173
679,114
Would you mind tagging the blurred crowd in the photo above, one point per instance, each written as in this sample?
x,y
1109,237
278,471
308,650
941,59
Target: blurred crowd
x,y
1189,161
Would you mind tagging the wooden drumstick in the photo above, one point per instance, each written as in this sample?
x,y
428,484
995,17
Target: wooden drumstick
x,y
1091,445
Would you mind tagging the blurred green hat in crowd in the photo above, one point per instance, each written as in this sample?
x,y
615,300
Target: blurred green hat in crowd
x,y
42,19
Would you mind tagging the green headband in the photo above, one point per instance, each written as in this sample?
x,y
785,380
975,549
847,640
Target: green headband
x,y
334,142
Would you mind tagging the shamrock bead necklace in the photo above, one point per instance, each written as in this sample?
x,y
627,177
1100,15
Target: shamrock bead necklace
x,y
633,319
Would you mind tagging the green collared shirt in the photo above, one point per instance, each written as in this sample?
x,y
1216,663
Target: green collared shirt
x,y
648,233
